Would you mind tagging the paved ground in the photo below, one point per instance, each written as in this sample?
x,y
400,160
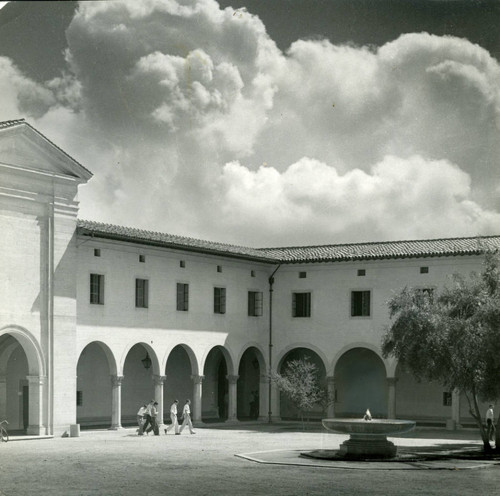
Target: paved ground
x,y
248,459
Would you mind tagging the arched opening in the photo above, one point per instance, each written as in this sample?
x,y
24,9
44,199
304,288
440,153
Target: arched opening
x,y
22,384
215,386
93,386
138,385
288,411
178,383
360,384
248,400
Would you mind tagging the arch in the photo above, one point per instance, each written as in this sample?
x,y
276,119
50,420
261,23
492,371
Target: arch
x,y
287,408
358,344
218,366
285,351
110,356
155,363
227,355
260,356
360,384
250,391
36,361
195,368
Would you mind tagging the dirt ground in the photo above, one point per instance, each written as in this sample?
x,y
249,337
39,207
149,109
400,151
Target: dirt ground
x,y
121,463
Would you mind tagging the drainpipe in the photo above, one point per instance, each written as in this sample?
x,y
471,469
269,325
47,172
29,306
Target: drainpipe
x,y
50,315
271,282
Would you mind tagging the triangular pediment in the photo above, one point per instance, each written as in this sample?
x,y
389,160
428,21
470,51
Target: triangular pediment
x,y
22,146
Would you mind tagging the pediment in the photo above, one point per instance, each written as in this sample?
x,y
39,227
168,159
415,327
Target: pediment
x,y
24,147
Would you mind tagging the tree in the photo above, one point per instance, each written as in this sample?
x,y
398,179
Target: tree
x,y
300,383
452,337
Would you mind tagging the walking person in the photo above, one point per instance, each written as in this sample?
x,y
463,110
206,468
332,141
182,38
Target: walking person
x,y
154,425
173,417
490,423
147,417
140,418
186,416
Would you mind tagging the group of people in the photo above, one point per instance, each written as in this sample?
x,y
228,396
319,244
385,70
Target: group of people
x,y
146,418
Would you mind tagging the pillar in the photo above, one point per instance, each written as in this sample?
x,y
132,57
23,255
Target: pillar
x,y
232,398
275,404
116,401
159,380
330,388
391,397
36,388
263,397
197,396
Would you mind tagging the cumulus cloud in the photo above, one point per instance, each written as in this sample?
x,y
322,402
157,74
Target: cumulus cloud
x,y
194,122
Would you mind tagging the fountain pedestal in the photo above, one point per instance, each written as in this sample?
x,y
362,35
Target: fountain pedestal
x,y
368,438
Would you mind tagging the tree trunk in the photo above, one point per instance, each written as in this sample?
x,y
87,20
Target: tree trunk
x,y
479,419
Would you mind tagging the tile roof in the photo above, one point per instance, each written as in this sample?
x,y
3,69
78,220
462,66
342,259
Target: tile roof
x,y
298,254
22,122
385,250
109,231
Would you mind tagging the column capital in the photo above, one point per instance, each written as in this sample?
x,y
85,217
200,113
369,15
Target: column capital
x,y
116,380
159,379
197,379
330,380
391,381
36,380
232,379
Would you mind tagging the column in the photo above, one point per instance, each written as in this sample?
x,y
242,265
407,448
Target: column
x,y
455,409
36,387
275,404
116,402
391,397
197,396
232,398
159,380
330,391
263,397
3,397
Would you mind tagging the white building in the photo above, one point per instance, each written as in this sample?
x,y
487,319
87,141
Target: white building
x,y
97,319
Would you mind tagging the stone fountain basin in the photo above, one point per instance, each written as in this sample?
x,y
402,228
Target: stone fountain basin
x,y
375,427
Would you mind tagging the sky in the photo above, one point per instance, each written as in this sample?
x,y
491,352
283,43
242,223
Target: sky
x,y
279,123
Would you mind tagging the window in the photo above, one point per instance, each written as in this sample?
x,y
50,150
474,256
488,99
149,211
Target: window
x,y
361,272
182,264
255,299
97,252
302,275
96,289
141,293
252,273
182,297
360,303
219,300
142,258
79,398
219,268
446,398
301,304
424,270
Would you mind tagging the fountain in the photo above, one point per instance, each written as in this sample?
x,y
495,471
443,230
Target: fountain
x,y
368,437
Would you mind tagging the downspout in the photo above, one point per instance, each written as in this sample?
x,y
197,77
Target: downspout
x,y
271,282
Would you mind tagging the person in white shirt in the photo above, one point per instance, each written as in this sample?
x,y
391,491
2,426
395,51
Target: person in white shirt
x,y
140,417
173,417
154,426
490,424
147,416
186,415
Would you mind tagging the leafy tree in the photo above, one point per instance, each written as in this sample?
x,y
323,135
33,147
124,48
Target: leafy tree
x,y
300,383
452,337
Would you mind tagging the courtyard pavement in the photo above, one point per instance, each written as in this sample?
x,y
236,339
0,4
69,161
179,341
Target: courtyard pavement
x,y
242,459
